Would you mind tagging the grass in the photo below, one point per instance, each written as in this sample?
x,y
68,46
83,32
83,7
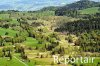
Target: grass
x,y
4,16
14,21
43,61
92,10
13,62
44,13
31,42
31,63
10,32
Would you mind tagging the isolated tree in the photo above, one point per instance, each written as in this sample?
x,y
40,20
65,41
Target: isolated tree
x,y
10,55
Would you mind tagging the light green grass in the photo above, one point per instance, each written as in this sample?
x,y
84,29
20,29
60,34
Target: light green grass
x,y
4,16
10,32
92,10
31,42
14,21
13,62
44,13
31,63
43,61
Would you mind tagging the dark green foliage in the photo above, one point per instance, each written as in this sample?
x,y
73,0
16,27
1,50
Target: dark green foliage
x,y
80,26
8,11
70,13
19,49
24,56
98,64
75,64
79,5
72,9
89,42
70,39
59,50
6,33
35,24
9,55
8,39
18,39
1,41
5,26
99,8
97,14
7,52
31,18
51,8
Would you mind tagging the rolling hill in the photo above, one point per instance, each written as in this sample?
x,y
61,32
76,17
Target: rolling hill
x,y
79,5
74,9
92,10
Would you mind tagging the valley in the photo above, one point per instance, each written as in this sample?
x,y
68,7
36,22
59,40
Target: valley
x,y
32,38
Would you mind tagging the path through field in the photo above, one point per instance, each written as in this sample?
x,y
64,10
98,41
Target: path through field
x,y
20,61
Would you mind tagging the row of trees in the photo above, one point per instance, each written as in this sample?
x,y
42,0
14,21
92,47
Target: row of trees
x,y
89,42
80,26
6,52
21,50
72,13
50,41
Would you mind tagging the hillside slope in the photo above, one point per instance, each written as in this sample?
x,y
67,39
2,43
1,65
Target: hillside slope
x,y
79,5
92,10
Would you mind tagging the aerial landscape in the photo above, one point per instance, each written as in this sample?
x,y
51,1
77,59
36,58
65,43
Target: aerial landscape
x,y
50,33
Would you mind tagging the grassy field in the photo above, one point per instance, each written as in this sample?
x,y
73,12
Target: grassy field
x,y
92,10
14,21
10,32
4,16
7,62
46,13
31,42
